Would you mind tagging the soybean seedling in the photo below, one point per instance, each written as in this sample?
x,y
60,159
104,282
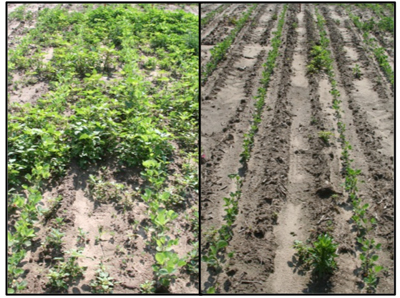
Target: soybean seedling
x,y
104,283
147,287
357,71
325,135
321,255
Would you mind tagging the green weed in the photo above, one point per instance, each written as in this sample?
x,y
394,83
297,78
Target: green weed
x,y
104,283
65,271
147,287
325,136
357,71
320,256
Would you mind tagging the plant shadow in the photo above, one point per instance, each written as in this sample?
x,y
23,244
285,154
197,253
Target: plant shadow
x,y
318,285
296,265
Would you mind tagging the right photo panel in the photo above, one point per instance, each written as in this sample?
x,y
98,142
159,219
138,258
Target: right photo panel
x,y
297,148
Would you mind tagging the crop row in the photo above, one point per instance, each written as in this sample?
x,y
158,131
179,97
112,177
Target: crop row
x,y
262,91
218,53
210,16
218,240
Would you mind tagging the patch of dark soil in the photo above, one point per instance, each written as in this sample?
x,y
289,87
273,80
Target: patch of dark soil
x,y
267,32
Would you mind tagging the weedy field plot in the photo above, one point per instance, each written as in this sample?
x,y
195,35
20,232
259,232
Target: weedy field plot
x,y
103,148
297,149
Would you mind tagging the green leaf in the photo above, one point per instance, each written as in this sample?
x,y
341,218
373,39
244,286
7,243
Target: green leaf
x,y
161,258
163,271
150,163
221,244
375,258
211,290
83,136
205,259
172,214
165,196
11,239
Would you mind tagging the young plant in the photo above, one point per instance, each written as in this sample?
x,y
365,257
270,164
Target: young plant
x,y
212,258
231,209
165,243
147,287
325,135
351,180
193,259
357,71
161,218
82,236
302,253
320,256
167,266
14,282
54,239
368,258
65,271
320,61
104,283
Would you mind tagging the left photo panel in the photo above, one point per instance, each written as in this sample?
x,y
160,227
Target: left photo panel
x,y
102,148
